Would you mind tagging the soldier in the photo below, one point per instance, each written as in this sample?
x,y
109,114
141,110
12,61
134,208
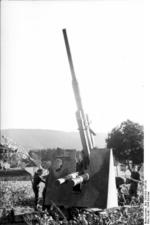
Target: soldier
x,y
46,183
35,185
135,179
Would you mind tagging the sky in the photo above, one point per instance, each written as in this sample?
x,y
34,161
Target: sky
x,y
107,45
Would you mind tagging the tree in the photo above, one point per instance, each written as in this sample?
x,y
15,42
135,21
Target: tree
x,y
127,142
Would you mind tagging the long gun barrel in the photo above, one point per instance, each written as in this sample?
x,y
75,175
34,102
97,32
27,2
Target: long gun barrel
x,y
85,135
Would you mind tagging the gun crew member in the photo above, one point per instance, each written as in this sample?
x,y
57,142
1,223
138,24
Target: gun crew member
x,y
134,180
35,185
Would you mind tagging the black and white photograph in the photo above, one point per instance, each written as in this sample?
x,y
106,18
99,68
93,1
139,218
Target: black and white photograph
x,y
72,148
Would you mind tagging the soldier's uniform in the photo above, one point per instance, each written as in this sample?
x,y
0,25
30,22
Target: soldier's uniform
x,y
134,184
35,185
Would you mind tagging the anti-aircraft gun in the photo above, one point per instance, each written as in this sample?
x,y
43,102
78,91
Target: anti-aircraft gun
x,y
86,134
90,181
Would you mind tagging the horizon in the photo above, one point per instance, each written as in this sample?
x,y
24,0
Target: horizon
x,y
39,138
66,131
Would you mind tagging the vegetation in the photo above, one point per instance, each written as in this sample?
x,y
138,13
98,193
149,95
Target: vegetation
x,y
127,142
15,193
119,216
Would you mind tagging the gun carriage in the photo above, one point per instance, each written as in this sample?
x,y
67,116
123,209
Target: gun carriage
x,y
88,181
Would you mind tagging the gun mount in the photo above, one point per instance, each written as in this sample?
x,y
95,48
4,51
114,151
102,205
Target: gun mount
x,y
79,179
66,178
73,179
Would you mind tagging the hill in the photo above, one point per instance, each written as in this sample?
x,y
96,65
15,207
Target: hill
x,y
42,139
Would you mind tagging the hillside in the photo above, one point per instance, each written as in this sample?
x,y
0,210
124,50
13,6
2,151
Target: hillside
x,y
41,139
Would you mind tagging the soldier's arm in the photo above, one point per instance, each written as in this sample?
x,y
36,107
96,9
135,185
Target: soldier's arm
x,y
42,179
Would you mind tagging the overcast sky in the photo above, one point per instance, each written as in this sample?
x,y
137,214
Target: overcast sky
x,y
107,45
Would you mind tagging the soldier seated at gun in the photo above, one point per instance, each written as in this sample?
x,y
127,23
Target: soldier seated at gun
x,y
37,179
